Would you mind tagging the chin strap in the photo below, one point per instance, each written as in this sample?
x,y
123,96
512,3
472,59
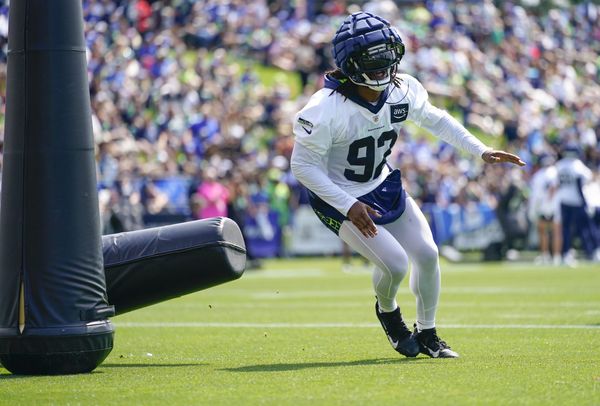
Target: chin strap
x,y
376,85
378,88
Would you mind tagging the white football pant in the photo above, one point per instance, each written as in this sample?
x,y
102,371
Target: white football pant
x,y
407,238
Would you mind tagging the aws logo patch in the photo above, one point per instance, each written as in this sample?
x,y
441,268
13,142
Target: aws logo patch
x,y
399,112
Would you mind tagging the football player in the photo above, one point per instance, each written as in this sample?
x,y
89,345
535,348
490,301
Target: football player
x,y
343,137
571,209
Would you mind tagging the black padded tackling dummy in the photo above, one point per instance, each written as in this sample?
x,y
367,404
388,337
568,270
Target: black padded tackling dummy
x,y
53,307
149,266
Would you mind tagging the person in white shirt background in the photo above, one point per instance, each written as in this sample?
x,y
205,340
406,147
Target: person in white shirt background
x,y
343,137
541,210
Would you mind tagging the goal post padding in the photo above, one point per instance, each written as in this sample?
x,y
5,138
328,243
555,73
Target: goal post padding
x,y
149,266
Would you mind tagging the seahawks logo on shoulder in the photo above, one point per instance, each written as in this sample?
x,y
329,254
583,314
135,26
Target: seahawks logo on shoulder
x,y
306,125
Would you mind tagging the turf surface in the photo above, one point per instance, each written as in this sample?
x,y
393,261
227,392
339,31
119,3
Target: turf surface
x,y
304,332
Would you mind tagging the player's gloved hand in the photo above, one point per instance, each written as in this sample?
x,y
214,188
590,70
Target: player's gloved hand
x,y
359,216
493,156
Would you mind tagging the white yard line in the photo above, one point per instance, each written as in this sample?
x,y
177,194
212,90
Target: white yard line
x,y
299,294
588,307
342,325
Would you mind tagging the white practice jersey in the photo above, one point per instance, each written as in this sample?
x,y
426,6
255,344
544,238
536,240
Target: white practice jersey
x,y
350,140
543,192
569,170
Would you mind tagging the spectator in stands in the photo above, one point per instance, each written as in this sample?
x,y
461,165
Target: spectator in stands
x,y
211,197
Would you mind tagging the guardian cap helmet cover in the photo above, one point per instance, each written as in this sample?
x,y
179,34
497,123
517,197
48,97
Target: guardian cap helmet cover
x,y
366,44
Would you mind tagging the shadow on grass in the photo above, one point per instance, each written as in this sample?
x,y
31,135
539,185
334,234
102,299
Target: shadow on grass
x,y
7,375
306,365
151,365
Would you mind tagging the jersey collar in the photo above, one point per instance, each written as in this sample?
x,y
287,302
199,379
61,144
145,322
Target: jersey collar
x,y
333,83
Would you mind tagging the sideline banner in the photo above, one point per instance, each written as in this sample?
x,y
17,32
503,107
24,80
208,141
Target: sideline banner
x,y
474,227
466,228
263,234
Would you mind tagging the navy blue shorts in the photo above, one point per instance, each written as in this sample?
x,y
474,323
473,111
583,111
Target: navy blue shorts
x,y
389,199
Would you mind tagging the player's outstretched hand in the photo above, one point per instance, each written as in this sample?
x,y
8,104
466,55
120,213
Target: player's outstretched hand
x,y
494,156
359,216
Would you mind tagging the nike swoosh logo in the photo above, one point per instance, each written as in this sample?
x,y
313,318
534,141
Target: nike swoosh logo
x,y
307,131
394,343
434,354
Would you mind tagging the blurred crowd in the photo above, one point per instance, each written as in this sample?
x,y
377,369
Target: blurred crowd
x,y
191,118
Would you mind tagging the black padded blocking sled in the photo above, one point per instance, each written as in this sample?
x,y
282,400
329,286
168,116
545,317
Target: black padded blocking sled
x,y
53,309
149,266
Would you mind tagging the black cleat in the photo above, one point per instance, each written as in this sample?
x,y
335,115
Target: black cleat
x,y
399,335
430,344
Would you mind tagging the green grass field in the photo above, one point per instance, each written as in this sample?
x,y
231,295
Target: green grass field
x,y
303,332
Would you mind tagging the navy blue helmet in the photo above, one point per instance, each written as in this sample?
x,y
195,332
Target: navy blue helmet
x,y
571,150
546,159
366,44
